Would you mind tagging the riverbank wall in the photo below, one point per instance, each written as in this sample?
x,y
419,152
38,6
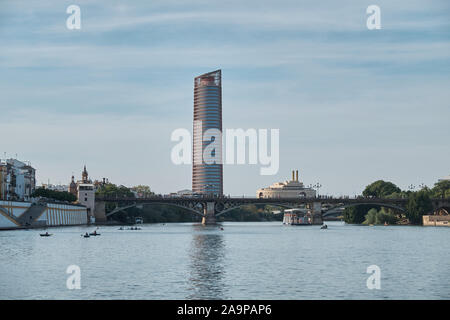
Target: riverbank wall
x,y
22,214
436,221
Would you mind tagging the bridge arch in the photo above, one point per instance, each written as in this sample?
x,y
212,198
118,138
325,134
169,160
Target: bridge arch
x,y
348,205
246,204
154,203
442,211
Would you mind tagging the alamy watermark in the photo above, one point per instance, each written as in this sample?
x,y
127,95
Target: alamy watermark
x,y
74,280
374,280
374,20
241,146
74,20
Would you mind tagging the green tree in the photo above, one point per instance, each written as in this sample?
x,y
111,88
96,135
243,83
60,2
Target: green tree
x,y
419,204
397,195
380,189
55,195
441,189
382,216
371,216
357,214
156,214
143,191
111,190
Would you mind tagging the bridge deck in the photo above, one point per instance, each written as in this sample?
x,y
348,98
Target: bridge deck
x,y
257,200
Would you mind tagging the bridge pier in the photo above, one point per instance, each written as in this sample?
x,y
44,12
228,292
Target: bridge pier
x,y
209,215
100,211
316,213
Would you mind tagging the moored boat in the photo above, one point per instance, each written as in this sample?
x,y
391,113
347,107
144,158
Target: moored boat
x,y
296,217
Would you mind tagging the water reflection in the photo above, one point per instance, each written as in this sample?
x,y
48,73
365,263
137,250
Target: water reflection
x,y
206,274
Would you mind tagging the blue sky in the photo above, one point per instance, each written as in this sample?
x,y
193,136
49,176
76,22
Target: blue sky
x,y
353,105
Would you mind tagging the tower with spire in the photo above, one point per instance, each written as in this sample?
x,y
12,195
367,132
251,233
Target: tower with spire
x,y
85,176
73,188
74,185
84,189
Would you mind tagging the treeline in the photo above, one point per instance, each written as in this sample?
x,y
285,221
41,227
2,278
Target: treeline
x,y
418,204
149,213
166,213
156,214
251,213
114,191
55,195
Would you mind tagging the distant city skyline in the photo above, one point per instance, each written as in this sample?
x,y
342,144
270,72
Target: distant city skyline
x,y
353,105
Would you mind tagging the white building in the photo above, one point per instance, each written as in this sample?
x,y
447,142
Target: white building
x,y
17,180
84,190
287,189
55,187
447,178
86,197
185,193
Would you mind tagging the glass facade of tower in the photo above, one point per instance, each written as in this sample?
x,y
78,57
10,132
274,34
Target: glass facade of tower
x,y
207,178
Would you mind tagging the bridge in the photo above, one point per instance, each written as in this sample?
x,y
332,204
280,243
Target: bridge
x,y
209,208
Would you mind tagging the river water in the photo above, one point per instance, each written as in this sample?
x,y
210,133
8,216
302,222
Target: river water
x,y
244,261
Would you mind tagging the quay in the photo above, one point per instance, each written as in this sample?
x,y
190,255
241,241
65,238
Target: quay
x,y
23,214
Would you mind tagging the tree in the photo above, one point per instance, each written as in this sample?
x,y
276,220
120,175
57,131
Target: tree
x,y
382,216
419,204
357,214
371,216
111,190
55,195
143,191
380,189
441,189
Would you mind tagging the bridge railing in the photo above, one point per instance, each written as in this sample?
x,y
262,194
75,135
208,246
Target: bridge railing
x,y
330,199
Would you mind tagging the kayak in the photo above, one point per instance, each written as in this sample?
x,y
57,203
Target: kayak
x,y
45,234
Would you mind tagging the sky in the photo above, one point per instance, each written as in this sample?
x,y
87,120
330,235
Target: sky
x,y
353,105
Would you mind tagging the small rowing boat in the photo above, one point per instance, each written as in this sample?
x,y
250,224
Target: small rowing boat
x,y
45,234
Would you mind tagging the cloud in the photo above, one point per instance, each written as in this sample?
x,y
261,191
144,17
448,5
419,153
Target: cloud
x,y
346,99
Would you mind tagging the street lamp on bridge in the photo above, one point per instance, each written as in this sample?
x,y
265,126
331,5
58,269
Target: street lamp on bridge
x,y
317,186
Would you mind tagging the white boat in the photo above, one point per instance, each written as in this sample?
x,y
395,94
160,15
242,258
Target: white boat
x,y
296,217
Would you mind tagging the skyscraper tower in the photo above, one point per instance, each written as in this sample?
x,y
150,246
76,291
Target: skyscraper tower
x,y
207,178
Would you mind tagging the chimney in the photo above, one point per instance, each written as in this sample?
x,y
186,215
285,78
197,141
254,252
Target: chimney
x,y
296,175
293,179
